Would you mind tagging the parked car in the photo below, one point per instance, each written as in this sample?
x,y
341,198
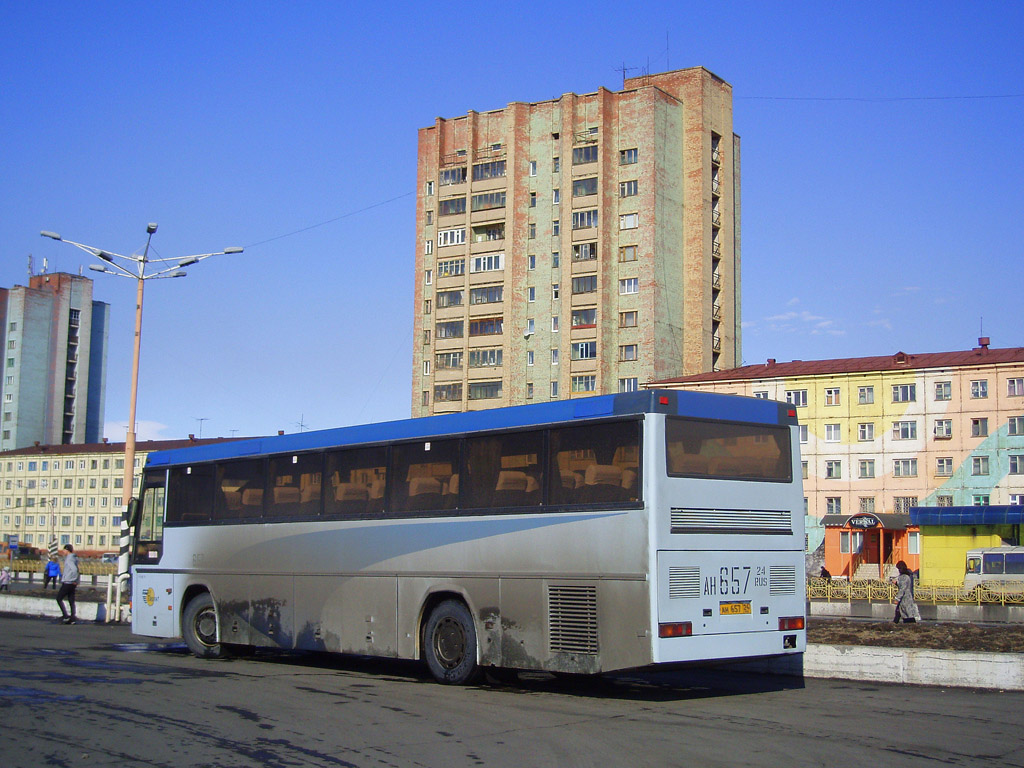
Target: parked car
x,y
108,557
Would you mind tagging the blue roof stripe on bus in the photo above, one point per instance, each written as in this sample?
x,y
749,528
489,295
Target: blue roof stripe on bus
x,y
705,405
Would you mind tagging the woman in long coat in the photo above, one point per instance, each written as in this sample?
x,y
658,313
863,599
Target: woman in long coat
x,y
906,608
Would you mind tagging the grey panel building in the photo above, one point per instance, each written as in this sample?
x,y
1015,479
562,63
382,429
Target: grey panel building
x,y
54,339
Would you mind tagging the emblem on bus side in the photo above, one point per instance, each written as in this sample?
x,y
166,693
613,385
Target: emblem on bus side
x,y
149,596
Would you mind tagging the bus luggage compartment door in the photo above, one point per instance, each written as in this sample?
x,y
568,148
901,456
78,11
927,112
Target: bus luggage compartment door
x,y
153,604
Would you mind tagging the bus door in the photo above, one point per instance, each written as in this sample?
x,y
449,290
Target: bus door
x,y
152,591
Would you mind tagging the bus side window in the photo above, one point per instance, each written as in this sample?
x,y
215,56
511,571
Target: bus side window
x,y
992,562
1015,562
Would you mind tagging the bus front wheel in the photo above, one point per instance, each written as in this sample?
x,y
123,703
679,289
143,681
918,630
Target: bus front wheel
x,y
450,644
199,625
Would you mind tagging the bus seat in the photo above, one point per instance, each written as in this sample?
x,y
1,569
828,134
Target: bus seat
x,y
603,474
377,488
452,486
571,480
351,492
628,479
532,486
603,483
419,486
233,499
252,497
511,480
310,493
286,494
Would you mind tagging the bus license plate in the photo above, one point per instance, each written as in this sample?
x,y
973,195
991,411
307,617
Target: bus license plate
x,y
733,609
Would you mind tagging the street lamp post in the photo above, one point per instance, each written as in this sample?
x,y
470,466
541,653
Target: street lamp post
x,y
135,270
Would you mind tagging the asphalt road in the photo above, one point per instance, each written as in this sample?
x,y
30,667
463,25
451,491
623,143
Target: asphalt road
x,y
94,695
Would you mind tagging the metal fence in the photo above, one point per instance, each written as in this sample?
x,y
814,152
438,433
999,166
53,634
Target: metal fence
x,y
841,590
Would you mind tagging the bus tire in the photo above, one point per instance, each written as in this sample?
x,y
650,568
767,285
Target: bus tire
x,y
199,626
449,644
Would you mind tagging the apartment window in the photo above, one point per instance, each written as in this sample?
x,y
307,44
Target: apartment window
x,y
833,470
556,196
531,262
904,468
554,356
944,501
429,188
1016,464
449,299
850,542
556,164
531,293
426,367
584,252
943,390
529,390
866,469
803,470
979,427
944,466
627,352
449,176
629,221
584,284
979,389
832,396
628,156
554,324
529,357
485,326
803,432
865,395
447,393
584,187
584,318
452,206
446,361
584,383
584,155
628,285
943,429
450,330
628,319
531,231
834,506
866,431
451,268
533,167
1016,499
867,505
556,230
1015,426
487,262
797,397
584,350
529,326
485,358
554,389
904,430
627,253
491,170
628,385
761,395
426,306
902,504
428,274
904,393
1014,387
488,201
833,433
584,219
555,292
451,236
979,465
627,188
980,500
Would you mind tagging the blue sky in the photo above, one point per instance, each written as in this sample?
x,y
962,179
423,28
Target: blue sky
x,y
881,175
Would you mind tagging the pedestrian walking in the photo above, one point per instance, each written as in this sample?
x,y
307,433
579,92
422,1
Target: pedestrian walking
x,y
68,585
51,573
906,608
5,579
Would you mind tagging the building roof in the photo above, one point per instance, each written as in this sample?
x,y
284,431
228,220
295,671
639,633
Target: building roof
x,y
143,446
898,362
890,521
996,514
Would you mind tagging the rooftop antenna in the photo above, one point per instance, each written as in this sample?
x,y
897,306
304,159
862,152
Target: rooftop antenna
x,y
301,423
623,70
668,67
30,266
201,419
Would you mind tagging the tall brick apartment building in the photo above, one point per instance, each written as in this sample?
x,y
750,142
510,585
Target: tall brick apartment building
x,y
577,246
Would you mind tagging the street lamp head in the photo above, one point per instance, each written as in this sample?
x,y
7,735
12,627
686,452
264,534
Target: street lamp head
x,y
98,268
233,249
188,262
105,256
51,235
151,228
179,273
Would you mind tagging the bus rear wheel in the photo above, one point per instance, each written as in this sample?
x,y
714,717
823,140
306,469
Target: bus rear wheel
x,y
449,644
199,625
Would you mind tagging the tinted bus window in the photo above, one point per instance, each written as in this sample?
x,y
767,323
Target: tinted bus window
x,y
595,464
730,451
1015,562
294,485
426,476
992,562
190,494
355,482
239,490
504,470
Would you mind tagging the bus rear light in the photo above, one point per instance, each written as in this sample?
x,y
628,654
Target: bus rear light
x,y
790,623
791,413
675,629
662,400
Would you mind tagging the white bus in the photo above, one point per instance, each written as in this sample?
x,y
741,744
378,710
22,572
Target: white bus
x,y
994,567
579,536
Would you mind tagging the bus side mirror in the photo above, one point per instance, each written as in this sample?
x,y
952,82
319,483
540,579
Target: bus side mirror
x,y
133,512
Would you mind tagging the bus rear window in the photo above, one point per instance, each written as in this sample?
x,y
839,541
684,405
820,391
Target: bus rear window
x,y
727,451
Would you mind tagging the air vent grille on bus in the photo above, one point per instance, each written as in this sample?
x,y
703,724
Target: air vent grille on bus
x,y
683,582
782,580
749,521
572,619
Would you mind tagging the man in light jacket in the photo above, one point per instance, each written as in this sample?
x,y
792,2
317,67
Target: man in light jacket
x,y
68,584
